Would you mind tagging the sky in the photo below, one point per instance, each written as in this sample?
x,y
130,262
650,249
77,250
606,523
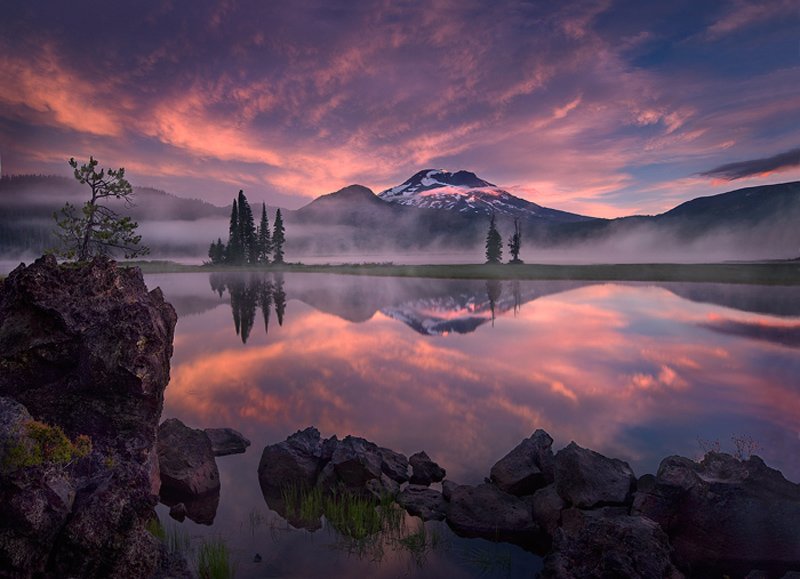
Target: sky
x,y
601,107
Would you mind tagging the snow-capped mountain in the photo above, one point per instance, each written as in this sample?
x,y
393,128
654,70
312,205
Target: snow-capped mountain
x,y
467,193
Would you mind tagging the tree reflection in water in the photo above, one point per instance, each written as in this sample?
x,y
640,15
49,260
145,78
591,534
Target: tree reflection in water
x,y
248,293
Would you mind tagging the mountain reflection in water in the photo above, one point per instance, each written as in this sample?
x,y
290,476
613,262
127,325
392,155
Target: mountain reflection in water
x,y
638,371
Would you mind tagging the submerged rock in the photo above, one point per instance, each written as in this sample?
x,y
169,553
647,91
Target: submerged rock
x,y
424,470
186,461
724,515
528,467
585,478
85,347
225,441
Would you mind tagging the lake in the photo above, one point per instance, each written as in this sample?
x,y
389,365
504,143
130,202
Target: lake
x,y
465,370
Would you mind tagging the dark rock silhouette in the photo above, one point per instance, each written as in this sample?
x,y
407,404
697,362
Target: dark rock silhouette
x,y
85,347
186,461
225,441
424,470
423,502
528,467
585,478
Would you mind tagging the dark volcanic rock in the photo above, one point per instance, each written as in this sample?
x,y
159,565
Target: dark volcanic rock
x,y
486,511
422,502
85,347
225,441
356,461
448,487
186,460
424,470
585,478
394,465
527,468
547,507
297,461
600,544
724,515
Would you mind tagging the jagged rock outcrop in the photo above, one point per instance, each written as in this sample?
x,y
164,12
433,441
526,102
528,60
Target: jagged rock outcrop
x,y
85,347
528,467
486,511
225,441
725,515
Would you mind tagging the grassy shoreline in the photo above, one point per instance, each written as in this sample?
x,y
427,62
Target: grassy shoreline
x,y
764,273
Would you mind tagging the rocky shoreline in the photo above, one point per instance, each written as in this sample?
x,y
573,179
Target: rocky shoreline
x,y
84,361
587,514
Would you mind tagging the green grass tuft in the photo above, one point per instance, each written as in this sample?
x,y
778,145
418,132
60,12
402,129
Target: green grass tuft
x,y
214,560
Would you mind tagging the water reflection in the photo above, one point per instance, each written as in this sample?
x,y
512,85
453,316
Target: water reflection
x,y
249,292
636,371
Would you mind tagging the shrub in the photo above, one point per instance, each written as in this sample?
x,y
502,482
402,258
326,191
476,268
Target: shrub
x,y
44,445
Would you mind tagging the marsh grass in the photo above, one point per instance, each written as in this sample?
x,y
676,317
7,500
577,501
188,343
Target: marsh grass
x,y
214,560
176,539
419,543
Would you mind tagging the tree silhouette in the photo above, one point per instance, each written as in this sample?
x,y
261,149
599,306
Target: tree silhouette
x,y
514,243
247,231
494,244
279,297
264,238
97,229
265,301
234,253
278,238
494,290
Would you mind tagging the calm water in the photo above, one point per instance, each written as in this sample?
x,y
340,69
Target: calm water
x,y
464,370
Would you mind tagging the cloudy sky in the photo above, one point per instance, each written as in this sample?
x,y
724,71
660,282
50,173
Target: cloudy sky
x,y
605,107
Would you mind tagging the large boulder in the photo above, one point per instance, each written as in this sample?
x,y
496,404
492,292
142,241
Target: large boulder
x,y
609,543
186,461
547,507
527,468
225,441
424,470
586,479
724,515
423,502
86,348
486,511
297,461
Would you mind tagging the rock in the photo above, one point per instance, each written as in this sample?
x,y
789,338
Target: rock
x,y
356,461
422,502
394,465
486,511
382,487
186,461
724,515
84,347
225,441
178,512
448,487
297,461
585,479
547,506
604,543
527,468
424,470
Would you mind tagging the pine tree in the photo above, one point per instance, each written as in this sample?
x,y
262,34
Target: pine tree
x,y
247,231
233,255
494,244
217,251
278,238
514,243
264,238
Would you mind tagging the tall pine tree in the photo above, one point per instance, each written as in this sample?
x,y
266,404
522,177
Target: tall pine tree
x,y
247,231
264,238
494,244
233,255
515,243
278,238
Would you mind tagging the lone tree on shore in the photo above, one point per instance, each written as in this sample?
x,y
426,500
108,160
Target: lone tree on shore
x,y
278,238
97,229
515,243
494,244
